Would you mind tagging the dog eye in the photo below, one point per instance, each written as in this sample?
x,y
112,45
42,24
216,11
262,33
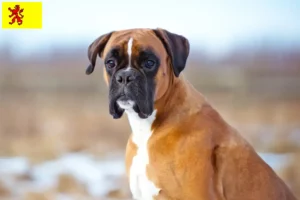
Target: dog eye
x,y
110,63
149,63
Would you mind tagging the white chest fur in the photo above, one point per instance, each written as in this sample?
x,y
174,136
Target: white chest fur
x,y
141,187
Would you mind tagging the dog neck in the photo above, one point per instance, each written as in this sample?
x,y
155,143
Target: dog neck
x,y
180,97
141,128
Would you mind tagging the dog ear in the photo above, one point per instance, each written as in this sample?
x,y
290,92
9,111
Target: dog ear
x,y
177,47
96,48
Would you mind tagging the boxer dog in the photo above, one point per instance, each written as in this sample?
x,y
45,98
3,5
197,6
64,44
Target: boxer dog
x,y
180,147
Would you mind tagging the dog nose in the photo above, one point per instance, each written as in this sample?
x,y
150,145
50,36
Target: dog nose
x,y
125,77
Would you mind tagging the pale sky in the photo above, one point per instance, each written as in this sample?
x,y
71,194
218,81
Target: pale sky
x,y
214,25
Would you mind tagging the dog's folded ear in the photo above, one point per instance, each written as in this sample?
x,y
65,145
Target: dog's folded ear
x,y
96,48
177,47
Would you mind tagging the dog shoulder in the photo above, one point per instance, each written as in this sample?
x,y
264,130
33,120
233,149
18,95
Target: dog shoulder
x,y
238,171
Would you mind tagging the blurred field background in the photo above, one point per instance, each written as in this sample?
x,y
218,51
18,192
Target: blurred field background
x,y
57,140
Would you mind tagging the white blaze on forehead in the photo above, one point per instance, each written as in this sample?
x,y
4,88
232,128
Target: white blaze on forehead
x,y
129,47
129,52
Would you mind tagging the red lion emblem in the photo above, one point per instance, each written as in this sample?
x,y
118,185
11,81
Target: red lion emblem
x,y
16,14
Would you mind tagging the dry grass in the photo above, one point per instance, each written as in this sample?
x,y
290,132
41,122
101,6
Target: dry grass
x,y
291,174
39,196
68,184
4,190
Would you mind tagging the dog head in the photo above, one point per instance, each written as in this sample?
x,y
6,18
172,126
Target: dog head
x,y
139,65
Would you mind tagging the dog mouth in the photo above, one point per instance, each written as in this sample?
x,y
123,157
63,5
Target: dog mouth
x,y
124,98
137,96
124,102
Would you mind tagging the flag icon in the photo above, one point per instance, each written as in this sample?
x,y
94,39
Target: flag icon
x,y
21,15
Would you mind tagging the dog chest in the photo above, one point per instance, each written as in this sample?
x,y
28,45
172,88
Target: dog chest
x,y
140,185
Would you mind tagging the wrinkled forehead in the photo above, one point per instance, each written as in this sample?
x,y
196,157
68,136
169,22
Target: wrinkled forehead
x,y
135,40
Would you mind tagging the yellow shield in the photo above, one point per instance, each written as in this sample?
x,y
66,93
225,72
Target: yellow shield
x,y
21,15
